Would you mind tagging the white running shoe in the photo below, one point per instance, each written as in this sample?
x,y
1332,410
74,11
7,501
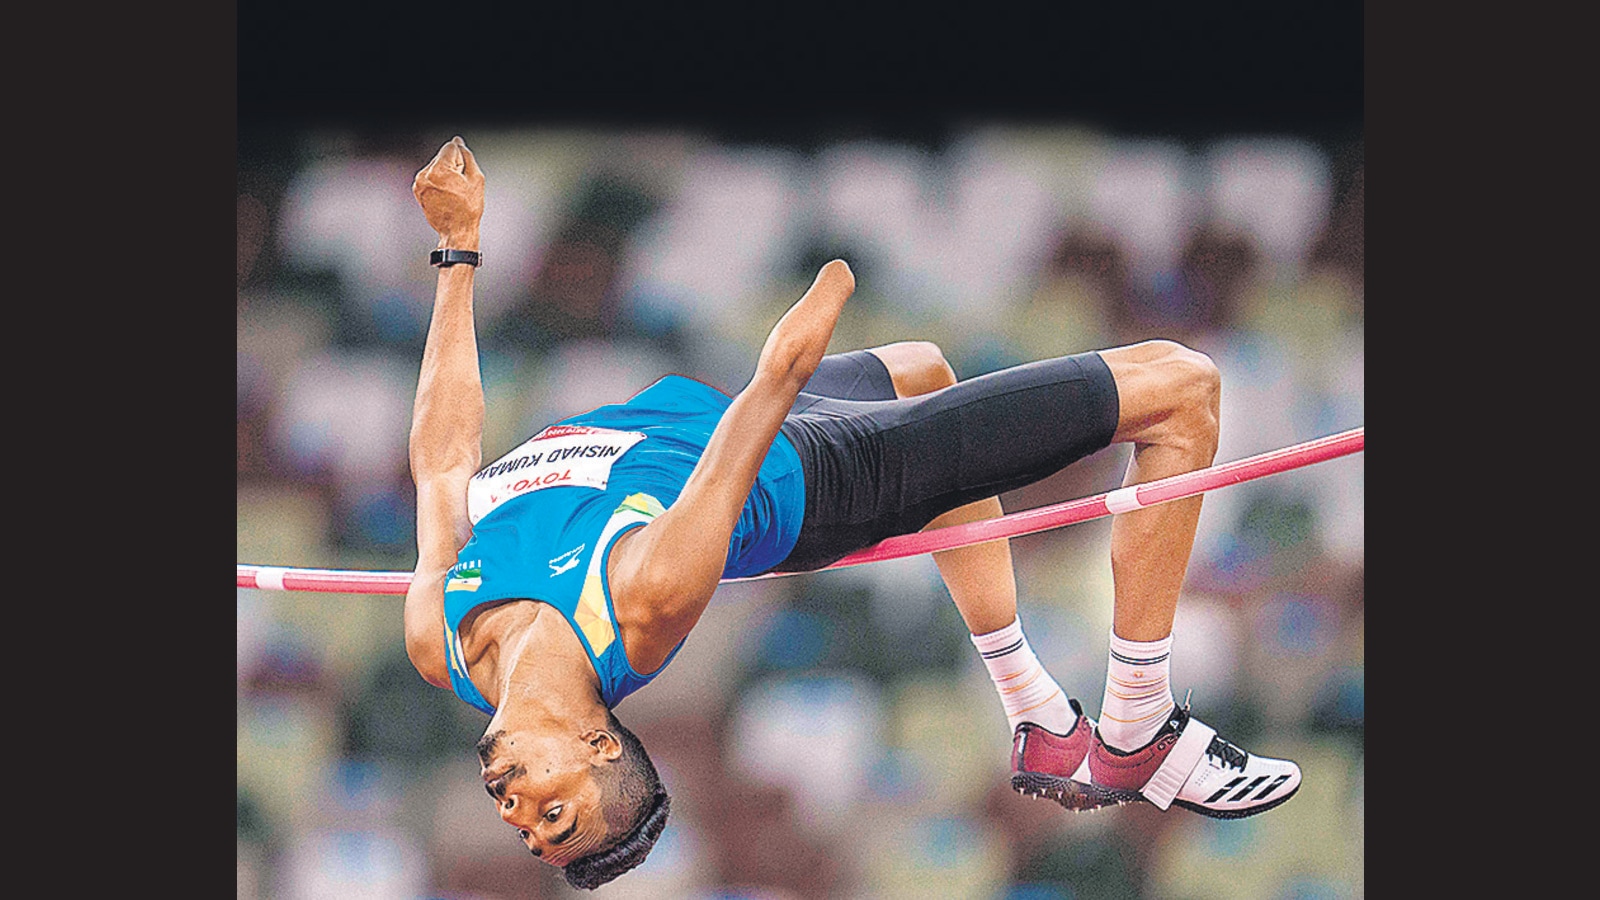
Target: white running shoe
x,y
1188,764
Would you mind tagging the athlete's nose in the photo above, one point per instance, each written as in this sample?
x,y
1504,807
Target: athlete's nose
x,y
506,808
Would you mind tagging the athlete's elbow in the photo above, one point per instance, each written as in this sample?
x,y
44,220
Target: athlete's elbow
x,y
783,363
424,637
442,450
665,596
428,659
676,612
430,462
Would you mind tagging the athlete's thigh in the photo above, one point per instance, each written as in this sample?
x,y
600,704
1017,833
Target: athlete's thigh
x,y
876,469
1000,431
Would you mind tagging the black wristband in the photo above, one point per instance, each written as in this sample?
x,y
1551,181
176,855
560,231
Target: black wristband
x,y
447,258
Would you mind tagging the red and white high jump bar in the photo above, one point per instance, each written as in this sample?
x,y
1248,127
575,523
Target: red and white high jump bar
x,y
1044,518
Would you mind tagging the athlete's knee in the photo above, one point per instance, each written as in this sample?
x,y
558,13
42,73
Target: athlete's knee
x,y
1199,381
1197,389
915,367
1170,394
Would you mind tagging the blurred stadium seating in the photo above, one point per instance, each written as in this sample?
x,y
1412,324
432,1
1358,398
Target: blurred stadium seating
x,y
829,735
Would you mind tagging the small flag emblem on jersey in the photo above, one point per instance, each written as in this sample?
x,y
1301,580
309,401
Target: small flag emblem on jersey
x,y
465,577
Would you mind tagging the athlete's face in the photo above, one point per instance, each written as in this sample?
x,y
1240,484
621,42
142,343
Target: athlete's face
x,y
543,785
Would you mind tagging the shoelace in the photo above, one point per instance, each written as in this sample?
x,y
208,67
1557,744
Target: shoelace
x,y
1229,755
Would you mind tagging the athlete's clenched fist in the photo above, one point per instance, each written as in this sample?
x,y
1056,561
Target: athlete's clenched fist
x,y
450,189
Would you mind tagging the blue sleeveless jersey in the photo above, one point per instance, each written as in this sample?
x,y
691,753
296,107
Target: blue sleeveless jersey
x,y
546,515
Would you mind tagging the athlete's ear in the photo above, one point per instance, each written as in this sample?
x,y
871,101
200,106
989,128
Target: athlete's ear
x,y
605,744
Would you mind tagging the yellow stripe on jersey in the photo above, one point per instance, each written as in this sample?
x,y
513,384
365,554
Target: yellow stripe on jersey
x,y
453,651
644,503
591,614
592,618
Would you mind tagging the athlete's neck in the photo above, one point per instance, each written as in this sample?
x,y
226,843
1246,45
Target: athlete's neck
x,y
536,696
517,655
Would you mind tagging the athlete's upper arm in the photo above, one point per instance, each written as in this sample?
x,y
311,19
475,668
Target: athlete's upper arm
x,y
442,529
663,575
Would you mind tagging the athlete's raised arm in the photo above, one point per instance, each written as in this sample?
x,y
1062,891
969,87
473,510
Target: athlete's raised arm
x,y
663,575
446,442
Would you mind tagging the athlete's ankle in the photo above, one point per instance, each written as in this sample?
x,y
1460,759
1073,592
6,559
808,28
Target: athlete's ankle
x,y
1138,697
1056,715
1026,689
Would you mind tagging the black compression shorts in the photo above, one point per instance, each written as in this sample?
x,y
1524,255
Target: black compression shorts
x,y
876,466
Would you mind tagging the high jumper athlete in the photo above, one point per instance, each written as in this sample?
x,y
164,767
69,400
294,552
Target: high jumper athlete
x,y
566,575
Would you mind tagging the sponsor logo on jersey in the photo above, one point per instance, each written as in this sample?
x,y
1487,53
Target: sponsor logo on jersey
x,y
566,560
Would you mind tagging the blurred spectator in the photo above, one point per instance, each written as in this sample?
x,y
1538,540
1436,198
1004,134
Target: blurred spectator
x,y
394,716
251,410
1069,868
1273,190
1215,267
580,375
1340,246
354,851
354,218
927,856
1070,307
251,234
575,294
1141,193
377,516
761,846
812,735
286,664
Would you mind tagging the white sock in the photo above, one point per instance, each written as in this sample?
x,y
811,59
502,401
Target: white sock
x,y
1138,695
1027,691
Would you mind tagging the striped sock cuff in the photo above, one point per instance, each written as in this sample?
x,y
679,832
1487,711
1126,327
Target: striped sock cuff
x,y
1027,692
1001,642
1141,653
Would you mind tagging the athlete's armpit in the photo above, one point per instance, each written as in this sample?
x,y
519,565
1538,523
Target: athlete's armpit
x,y
442,530
425,630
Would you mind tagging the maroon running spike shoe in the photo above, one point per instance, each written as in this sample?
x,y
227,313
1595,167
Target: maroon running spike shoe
x,y
1056,766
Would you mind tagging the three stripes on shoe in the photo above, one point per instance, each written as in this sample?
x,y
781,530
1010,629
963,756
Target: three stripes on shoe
x,y
1276,783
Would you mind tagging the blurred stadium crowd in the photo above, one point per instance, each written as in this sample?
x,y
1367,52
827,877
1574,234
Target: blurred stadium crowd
x,y
828,735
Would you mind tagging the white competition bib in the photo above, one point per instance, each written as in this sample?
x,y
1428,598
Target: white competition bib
x,y
559,456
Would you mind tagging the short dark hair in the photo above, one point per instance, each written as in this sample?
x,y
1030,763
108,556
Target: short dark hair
x,y
635,807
